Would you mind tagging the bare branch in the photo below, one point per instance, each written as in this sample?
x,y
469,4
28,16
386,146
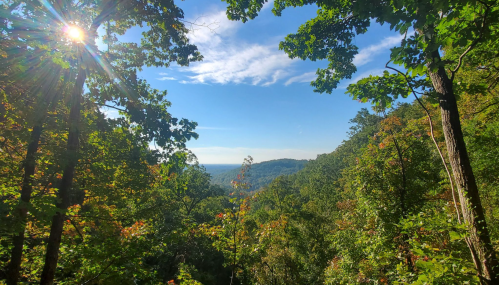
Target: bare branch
x,y
203,25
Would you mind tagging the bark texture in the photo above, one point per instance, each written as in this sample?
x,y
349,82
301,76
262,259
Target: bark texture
x,y
472,212
65,184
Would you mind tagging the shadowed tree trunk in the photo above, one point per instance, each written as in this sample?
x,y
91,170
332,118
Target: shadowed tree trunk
x,y
403,207
48,94
65,184
27,188
479,243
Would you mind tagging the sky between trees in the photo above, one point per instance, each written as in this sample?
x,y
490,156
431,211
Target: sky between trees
x,y
250,98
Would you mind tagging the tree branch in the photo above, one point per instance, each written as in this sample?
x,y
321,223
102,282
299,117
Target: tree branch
x,y
105,268
116,108
471,46
76,228
105,14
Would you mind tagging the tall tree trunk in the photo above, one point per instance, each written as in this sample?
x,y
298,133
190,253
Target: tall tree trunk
x,y
403,207
27,187
65,184
47,86
479,241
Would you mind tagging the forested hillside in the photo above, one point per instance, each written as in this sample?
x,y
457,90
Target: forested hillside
x,y
261,173
409,197
354,217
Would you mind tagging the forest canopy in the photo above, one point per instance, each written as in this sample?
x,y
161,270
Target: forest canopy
x,y
410,197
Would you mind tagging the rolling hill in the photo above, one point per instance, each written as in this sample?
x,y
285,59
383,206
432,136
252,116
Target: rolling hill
x,y
262,173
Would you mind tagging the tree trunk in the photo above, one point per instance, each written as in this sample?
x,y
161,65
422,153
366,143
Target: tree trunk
x,y
479,241
65,184
27,187
403,207
47,88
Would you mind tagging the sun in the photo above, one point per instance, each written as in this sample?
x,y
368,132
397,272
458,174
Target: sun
x,y
74,33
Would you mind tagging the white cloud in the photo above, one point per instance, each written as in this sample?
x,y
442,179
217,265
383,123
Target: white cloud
x,y
306,77
209,28
368,54
254,64
231,60
166,78
110,113
228,60
191,82
226,155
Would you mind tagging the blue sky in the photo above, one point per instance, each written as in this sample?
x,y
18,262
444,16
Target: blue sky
x,y
249,98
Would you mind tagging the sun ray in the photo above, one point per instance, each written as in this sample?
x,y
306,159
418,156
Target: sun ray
x,y
108,68
53,11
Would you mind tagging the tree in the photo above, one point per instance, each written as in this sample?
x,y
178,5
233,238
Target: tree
x,y
33,76
230,238
46,27
191,187
429,27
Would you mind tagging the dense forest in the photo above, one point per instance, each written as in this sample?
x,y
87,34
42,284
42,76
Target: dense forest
x,y
411,197
261,173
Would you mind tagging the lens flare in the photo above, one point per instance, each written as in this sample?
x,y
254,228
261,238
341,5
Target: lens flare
x,y
74,33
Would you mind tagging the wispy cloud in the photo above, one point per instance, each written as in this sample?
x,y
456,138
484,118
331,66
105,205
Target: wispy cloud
x,y
208,29
306,77
226,155
368,54
166,78
191,82
228,60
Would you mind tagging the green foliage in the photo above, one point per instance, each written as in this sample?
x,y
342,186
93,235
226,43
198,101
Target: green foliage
x,y
440,250
379,90
347,217
117,176
396,174
185,276
377,210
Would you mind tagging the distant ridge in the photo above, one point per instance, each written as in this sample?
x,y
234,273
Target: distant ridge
x,y
261,173
215,169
